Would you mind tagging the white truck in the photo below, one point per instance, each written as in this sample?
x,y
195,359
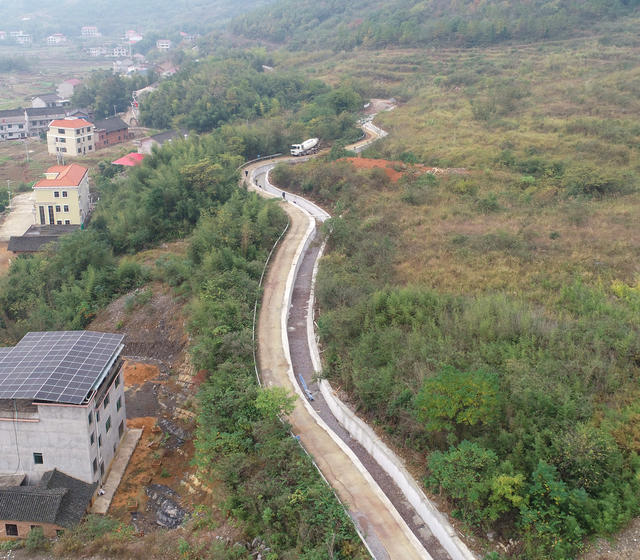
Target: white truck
x,y
307,147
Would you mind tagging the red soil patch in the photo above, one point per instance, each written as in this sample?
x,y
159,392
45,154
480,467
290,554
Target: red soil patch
x,y
136,373
386,165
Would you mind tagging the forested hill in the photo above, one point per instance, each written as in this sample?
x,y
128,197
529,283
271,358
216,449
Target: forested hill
x,y
115,16
343,25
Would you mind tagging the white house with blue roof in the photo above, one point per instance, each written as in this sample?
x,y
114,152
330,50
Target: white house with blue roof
x,y
61,404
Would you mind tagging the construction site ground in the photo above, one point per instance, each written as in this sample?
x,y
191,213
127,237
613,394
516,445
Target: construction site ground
x,y
160,395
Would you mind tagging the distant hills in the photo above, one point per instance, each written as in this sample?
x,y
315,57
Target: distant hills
x,y
370,23
112,17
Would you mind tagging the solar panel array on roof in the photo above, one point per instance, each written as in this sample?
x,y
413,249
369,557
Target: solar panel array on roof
x,y
57,366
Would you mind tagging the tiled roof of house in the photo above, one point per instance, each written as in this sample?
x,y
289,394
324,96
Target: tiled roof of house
x,y
53,112
29,244
162,137
35,238
68,175
58,499
12,113
30,503
130,160
70,123
111,124
74,502
47,96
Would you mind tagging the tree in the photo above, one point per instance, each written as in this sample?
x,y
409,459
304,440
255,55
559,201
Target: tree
x,y
454,399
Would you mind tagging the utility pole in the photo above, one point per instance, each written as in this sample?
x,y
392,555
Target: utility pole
x,y
9,192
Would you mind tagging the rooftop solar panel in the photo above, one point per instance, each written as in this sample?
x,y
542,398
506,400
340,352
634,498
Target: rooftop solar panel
x,y
56,366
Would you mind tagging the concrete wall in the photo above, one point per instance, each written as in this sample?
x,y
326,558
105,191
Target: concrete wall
x,y
63,434
60,433
109,439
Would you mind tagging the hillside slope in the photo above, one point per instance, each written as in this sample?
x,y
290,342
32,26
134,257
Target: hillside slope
x,y
371,23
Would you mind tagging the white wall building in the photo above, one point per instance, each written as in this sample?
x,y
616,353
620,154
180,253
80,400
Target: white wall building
x,y
61,404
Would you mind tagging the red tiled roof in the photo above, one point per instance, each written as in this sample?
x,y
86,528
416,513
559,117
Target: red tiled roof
x,y
70,123
130,160
68,176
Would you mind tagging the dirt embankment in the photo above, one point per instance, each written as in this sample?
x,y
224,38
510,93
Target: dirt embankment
x,y
158,488
396,169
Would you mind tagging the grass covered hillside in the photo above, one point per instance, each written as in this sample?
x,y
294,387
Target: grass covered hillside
x,y
368,23
488,320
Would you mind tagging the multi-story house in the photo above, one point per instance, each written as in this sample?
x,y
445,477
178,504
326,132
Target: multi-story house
x,y
61,404
163,44
13,124
56,39
29,122
89,31
62,197
70,137
48,100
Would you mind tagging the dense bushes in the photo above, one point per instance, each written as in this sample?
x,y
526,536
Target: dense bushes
x,y
489,376
343,26
221,90
271,485
63,288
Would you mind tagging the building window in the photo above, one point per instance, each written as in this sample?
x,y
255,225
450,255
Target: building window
x,y
99,440
107,425
11,529
117,383
119,403
64,194
95,466
57,208
63,150
56,194
90,147
62,140
66,208
90,418
38,459
59,222
61,131
92,438
121,429
67,222
105,402
59,533
89,137
97,416
101,469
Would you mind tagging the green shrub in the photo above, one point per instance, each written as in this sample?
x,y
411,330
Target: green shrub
x,y
36,541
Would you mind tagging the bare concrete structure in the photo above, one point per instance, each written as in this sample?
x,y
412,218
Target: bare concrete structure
x,y
61,404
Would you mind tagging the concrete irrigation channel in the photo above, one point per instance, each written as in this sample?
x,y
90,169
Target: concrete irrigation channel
x,y
394,518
